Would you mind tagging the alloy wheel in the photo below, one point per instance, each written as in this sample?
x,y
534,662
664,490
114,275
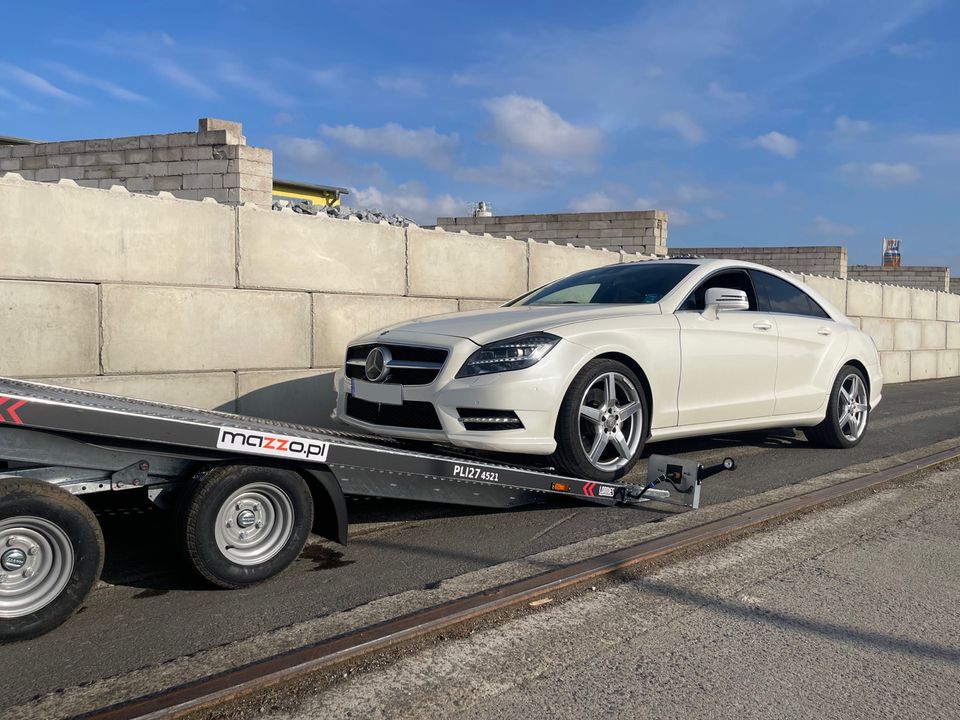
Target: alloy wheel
x,y
611,421
853,407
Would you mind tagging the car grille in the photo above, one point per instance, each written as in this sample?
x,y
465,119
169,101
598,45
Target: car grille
x,y
410,365
412,414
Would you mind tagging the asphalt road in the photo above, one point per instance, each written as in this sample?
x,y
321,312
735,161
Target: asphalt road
x,y
151,610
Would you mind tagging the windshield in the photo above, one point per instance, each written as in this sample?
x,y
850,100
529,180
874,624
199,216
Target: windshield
x,y
632,283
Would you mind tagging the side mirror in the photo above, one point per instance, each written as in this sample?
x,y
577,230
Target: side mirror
x,y
718,299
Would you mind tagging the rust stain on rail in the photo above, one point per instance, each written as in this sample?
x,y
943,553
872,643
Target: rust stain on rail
x,y
262,674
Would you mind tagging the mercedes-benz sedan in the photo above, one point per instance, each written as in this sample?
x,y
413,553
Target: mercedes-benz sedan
x,y
592,366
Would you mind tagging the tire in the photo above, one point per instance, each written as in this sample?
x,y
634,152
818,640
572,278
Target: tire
x,y
578,433
53,538
832,432
243,524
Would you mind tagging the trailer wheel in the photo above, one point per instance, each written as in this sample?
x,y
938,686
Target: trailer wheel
x,y
51,554
243,524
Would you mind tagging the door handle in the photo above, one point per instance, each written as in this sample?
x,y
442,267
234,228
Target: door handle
x,y
763,325
824,331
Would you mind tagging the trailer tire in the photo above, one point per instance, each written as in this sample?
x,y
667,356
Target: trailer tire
x,y
243,524
51,554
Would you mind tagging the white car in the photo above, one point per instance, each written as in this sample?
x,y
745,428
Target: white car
x,y
591,367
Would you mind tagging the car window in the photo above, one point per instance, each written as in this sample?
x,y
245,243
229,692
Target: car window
x,y
631,283
732,280
779,296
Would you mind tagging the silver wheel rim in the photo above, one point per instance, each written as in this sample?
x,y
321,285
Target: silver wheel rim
x,y
254,524
36,563
853,407
611,421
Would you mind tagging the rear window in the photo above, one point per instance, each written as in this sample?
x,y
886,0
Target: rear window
x,y
632,283
779,296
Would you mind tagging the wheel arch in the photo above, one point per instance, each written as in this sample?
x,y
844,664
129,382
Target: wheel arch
x,y
861,367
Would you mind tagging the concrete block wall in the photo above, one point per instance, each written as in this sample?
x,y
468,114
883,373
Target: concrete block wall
x,y
213,162
239,308
641,231
814,260
916,331
916,276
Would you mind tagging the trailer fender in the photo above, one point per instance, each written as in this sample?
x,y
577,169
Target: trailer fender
x,y
329,505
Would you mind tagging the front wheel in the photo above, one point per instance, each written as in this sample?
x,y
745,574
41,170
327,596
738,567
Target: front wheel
x,y
601,427
848,412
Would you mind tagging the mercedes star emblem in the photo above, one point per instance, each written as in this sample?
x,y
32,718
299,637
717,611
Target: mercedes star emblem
x,y
377,367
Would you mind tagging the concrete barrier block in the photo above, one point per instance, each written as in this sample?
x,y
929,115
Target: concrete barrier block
x,y
933,335
923,305
833,289
923,365
953,336
452,265
948,363
287,250
60,232
907,335
948,307
300,396
163,329
213,391
467,305
895,367
550,262
865,299
896,302
340,318
48,329
881,330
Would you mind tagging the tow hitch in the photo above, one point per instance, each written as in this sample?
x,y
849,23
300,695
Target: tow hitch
x,y
683,475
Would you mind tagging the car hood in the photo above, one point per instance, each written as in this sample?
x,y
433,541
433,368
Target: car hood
x,y
483,326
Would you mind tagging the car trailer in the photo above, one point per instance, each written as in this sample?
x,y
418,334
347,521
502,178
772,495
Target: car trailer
x,y
247,492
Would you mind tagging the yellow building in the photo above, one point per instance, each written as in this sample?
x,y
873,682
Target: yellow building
x,y
323,195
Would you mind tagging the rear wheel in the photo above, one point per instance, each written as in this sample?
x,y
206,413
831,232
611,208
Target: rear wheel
x,y
243,524
848,412
51,554
601,427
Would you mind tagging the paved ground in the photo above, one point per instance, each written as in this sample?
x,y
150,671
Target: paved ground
x,y
846,613
154,612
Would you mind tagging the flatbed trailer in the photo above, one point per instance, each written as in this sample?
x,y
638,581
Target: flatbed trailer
x,y
247,491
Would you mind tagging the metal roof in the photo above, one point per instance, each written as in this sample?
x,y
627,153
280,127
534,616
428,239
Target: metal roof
x,y
11,140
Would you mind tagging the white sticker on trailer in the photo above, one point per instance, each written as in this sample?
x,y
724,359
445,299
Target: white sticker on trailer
x,y
250,441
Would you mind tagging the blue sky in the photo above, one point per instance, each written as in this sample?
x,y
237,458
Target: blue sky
x,y
752,123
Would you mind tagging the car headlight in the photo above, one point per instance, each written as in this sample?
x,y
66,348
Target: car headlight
x,y
513,353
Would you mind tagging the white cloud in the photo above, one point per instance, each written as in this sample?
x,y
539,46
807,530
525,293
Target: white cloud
x,y
884,175
263,89
831,228
74,75
692,193
595,201
914,50
17,100
326,76
714,214
411,200
947,143
847,127
171,71
283,118
402,84
36,83
718,92
778,144
426,144
528,124
678,217
684,126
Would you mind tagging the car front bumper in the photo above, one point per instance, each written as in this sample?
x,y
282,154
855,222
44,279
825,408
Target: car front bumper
x,y
533,394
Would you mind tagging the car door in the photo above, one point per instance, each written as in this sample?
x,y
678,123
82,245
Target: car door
x,y
810,344
728,360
